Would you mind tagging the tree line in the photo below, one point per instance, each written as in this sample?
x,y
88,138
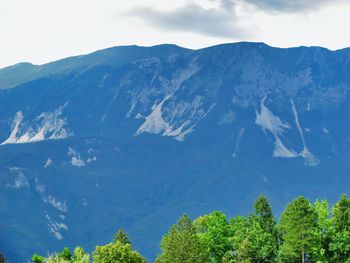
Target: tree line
x,y
306,232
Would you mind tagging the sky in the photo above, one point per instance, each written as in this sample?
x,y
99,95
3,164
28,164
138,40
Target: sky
x,y
40,31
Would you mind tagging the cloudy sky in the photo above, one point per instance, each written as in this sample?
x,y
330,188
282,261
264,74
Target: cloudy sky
x,y
40,31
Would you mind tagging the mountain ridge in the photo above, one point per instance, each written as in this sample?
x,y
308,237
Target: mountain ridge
x,y
166,131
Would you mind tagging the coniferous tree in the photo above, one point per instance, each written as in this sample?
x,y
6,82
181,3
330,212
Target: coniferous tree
x,y
263,216
340,243
254,238
181,244
120,250
122,237
65,254
298,225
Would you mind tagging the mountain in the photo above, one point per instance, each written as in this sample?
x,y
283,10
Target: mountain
x,y
133,137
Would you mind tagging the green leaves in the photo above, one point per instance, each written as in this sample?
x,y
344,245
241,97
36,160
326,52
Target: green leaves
x,y
340,241
213,232
117,252
306,233
298,226
181,244
36,258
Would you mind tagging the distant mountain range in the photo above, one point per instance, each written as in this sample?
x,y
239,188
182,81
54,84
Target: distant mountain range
x,y
133,137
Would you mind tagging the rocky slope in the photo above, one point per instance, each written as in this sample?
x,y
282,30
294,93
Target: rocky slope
x,y
132,137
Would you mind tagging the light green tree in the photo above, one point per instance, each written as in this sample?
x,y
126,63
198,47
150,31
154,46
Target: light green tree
x,y
37,258
118,251
214,232
79,256
319,251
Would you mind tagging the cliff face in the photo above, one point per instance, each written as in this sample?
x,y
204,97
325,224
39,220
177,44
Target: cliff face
x,y
133,137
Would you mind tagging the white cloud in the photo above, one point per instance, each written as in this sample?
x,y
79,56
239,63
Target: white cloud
x,y
38,26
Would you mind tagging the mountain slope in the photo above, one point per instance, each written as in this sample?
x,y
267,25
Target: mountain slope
x,y
133,137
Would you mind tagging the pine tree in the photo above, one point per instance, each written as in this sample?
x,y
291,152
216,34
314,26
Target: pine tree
x,y
263,214
117,252
122,237
340,243
263,225
298,225
181,244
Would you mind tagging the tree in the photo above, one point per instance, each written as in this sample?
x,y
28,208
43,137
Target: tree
x,y
297,226
251,242
341,214
340,243
118,251
263,214
122,237
213,232
2,259
254,239
79,256
181,244
319,251
37,258
263,226
65,254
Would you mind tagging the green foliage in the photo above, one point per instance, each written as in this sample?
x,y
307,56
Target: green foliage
x,y
320,249
2,259
307,233
65,254
341,214
181,244
37,258
251,242
298,226
79,256
117,252
213,232
340,243
263,214
122,237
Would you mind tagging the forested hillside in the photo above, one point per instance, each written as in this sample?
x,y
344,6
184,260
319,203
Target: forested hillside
x,y
305,232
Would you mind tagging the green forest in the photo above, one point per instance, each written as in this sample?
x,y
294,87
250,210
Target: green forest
x,y
305,232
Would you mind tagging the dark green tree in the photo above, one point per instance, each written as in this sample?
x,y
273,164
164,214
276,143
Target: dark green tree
x,y
340,243
297,227
2,259
37,258
181,244
65,254
263,225
263,214
341,214
122,237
